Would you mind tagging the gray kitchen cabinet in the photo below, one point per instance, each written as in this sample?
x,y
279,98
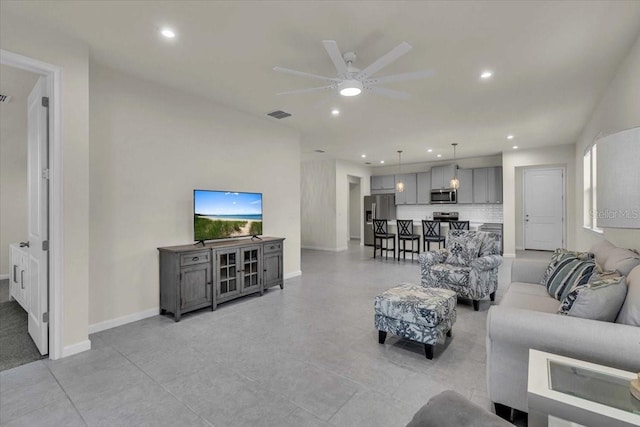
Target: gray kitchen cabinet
x,y
382,184
465,191
423,193
191,279
408,196
441,176
487,185
273,265
189,276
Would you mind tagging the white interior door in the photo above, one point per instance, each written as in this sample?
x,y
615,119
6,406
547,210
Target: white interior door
x,y
543,209
38,224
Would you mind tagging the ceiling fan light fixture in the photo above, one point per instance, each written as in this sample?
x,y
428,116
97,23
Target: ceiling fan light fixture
x,y
350,88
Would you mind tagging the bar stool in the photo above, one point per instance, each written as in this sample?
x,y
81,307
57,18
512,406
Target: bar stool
x,y
431,233
380,233
458,225
405,233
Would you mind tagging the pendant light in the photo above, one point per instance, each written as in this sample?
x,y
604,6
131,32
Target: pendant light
x,y
455,182
399,183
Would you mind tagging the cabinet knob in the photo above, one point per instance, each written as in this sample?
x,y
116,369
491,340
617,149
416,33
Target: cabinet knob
x,y
195,258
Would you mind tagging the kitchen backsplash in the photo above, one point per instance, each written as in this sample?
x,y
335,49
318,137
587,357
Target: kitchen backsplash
x,y
473,213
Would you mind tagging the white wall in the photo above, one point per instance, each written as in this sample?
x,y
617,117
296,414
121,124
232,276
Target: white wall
x,y
560,155
150,147
318,204
19,35
618,109
466,163
325,202
13,160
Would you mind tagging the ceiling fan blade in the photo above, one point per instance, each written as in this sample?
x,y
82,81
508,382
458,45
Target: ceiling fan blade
x,y
400,77
303,74
389,92
334,53
385,60
312,89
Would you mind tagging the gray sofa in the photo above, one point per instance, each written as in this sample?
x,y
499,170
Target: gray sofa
x,y
527,318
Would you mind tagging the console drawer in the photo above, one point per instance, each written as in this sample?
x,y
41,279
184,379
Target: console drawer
x,y
272,247
193,258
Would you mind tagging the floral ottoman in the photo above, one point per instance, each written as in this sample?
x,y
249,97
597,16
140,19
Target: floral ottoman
x,y
417,313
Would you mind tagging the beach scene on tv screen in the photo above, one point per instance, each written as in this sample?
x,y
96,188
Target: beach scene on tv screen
x,y
220,214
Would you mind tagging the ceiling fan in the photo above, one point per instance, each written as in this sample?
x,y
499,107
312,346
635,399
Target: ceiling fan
x,y
351,81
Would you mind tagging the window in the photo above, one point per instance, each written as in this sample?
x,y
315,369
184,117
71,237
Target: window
x,y
590,189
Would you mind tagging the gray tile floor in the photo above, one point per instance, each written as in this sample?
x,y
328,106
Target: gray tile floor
x,y
307,355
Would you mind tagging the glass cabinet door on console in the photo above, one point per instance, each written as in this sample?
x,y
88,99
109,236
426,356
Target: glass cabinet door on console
x,y
227,277
251,268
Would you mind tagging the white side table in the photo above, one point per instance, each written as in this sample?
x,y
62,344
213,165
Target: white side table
x,y
568,392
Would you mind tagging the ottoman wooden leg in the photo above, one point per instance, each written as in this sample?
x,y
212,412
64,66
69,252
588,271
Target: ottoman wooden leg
x,y
492,296
428,351
476,305
382,335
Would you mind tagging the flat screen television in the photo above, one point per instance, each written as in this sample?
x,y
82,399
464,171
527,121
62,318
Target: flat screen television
x,y
226,214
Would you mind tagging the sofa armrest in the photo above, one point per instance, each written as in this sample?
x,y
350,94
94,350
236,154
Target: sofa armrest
x,y
486,262
433,257
528,270
610,344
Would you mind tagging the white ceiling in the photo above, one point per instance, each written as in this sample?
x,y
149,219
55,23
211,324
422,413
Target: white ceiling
x,y
552,60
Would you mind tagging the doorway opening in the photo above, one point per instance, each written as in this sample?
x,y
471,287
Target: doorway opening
x,y
355,214
43,266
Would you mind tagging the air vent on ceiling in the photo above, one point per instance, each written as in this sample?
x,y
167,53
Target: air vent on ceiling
x,y
367,163
5,98
319,151
278,114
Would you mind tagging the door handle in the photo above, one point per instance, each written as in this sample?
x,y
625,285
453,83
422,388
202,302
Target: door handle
x,y
24,244
22,279
15,273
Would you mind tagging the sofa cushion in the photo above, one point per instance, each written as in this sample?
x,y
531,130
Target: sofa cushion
x,y
463,246
529,296
601,251
621,260
630,311
568,274
559,255
598,300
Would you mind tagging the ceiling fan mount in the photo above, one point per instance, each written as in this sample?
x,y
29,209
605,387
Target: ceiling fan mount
x,y
351,81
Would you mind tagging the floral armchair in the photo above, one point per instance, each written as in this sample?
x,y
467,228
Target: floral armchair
x,y
468,265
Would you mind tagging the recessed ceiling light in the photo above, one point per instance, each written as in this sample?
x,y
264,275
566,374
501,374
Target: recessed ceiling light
x,y
429,150
363,156
168,33
381,161
335,112
515,147
486,75
509,136
439,155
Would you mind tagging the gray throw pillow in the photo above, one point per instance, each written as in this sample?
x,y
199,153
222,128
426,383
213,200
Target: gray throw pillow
x,y
630,311
597,300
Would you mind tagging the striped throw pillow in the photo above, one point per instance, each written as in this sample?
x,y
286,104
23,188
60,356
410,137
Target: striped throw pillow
x,y
568,274
560,254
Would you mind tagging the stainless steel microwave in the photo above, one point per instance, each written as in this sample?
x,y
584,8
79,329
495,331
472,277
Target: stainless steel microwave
x,y
448,195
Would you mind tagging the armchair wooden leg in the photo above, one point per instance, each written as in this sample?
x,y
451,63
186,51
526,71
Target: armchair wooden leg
x,y
492,296
428,351
449,332
476,305
382,335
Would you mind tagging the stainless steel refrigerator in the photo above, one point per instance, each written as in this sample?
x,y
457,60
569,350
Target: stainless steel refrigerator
x,y
381,206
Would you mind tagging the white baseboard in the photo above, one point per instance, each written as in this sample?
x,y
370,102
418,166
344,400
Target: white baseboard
x,y
355,237
76,348
320,248
292,274
519,248
119,321
506,255
4,276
